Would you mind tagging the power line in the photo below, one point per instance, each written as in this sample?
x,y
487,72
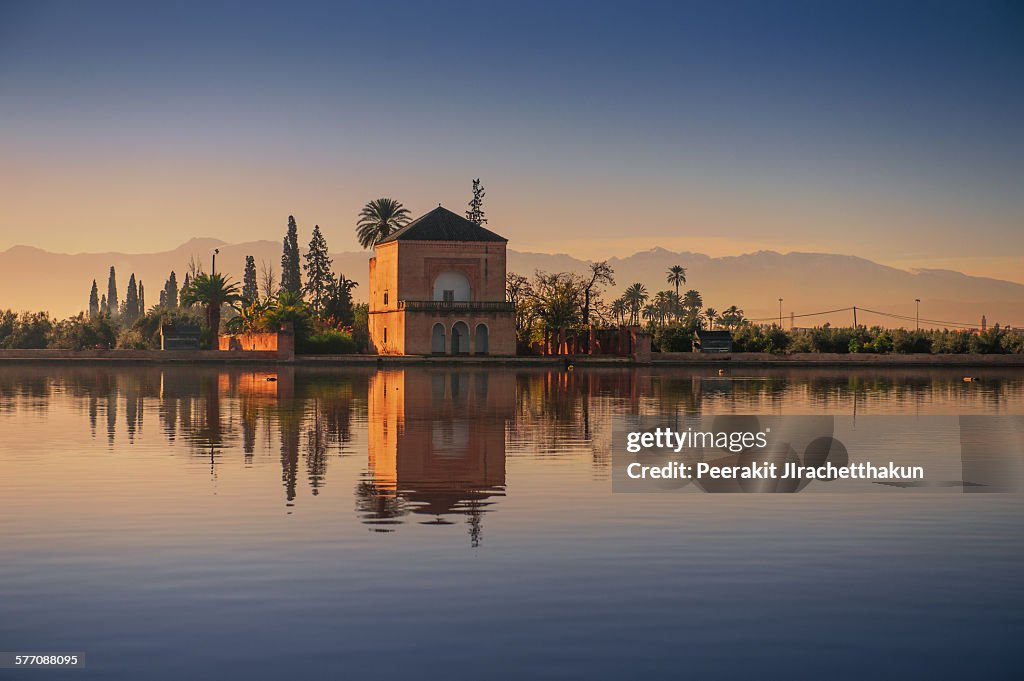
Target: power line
x,y
908,318
827,311
967,325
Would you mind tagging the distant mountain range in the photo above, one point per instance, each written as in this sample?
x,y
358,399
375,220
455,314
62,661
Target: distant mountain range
x,y
34,279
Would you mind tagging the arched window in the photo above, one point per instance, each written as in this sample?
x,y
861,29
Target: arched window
x,y
482,340
451,287
460,338
437,339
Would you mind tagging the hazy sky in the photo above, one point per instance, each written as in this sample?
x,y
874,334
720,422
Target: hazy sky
x,y
889,130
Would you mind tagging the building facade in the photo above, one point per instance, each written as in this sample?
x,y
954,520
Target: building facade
x,y
437,287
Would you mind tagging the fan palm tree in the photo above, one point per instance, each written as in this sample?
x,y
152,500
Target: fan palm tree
x,y
378,219
635,297
676,276
212,291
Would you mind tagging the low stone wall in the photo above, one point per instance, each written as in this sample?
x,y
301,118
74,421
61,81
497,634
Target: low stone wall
x,y
828,359
249,342
281,343
137,356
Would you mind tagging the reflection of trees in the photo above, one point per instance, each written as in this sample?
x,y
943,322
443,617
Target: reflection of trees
x,y
379,505
288,423
209,410
565,412
305,418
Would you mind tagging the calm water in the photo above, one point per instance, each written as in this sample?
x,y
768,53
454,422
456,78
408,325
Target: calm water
x,y
207,522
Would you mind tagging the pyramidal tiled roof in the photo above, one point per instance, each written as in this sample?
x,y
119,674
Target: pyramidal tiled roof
x,y
441,224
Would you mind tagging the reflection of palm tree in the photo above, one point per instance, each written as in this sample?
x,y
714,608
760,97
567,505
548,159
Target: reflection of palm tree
x,y
316,450
676,276
379,505
378,219
289,421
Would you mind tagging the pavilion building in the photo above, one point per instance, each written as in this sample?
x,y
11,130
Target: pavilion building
x,y
437,287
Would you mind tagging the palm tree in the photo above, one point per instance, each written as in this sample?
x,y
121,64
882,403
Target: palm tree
x,y
289,307
711,314
378,219
346,284
635,297
252,317
732,317
665,302
676,276
619,309
212,291
651,312
692,303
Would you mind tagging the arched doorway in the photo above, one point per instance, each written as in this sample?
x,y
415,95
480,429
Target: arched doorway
x,y
460,339
437,339
482,341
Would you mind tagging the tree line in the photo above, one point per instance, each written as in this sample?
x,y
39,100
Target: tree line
x,y
551,302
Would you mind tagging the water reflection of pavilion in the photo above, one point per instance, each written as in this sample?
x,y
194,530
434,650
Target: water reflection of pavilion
x,y
436,442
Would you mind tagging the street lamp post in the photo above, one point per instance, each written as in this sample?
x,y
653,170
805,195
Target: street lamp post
x,y
917,315
213,265
780,313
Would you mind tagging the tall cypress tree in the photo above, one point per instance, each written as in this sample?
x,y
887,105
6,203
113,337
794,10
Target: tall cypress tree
x,y
250,289
318,270
291,277
104,308
131,302
475,214
163,297
170,295
142,299
112,293
94,301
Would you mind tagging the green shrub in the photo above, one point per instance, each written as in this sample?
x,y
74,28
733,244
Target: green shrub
x,y
749,338
676,338
82,333
25,331
988,343
148,326
131,339
327,342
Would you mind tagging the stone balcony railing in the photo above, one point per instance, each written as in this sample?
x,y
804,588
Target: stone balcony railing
x,y
455,306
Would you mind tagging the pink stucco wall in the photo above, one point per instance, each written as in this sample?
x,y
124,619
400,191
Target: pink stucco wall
x,y
406,270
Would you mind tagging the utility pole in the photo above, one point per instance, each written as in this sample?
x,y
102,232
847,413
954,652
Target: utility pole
x,y
917,315
213,265
780,313
855,316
